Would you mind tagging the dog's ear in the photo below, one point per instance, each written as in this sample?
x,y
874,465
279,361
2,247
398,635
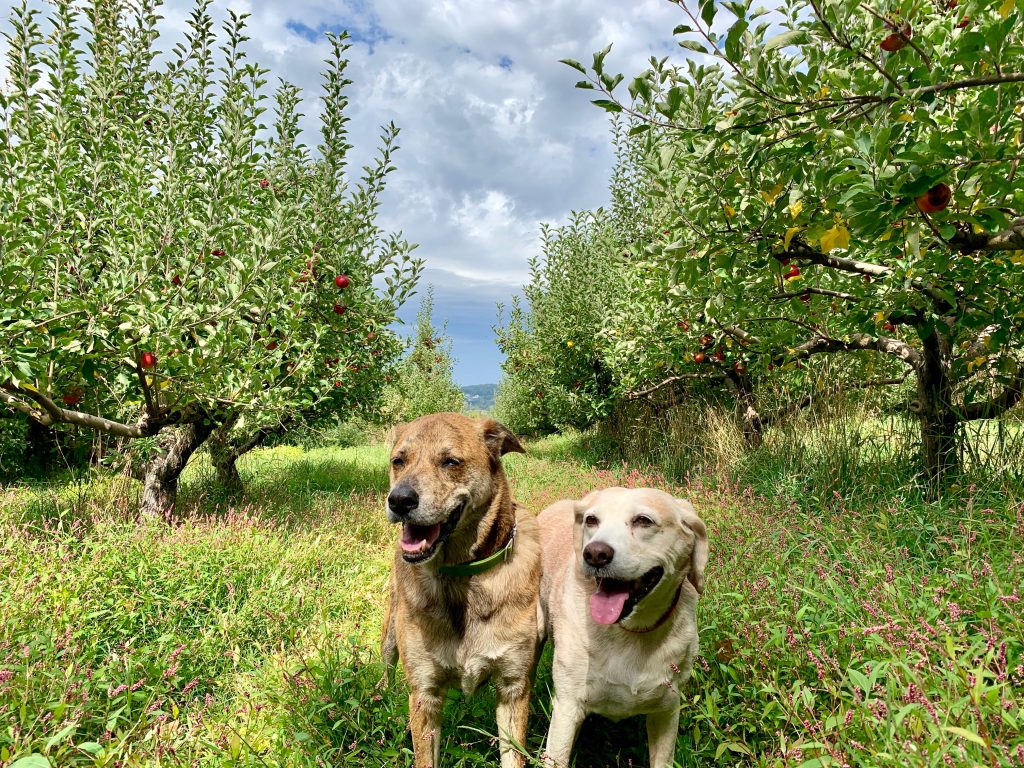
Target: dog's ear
x,y
699,558
394,436
500,439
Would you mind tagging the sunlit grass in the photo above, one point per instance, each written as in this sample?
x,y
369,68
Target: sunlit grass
x,y
875,630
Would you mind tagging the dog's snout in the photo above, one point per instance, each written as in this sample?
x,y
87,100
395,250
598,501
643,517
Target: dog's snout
x,y
598,554
403,499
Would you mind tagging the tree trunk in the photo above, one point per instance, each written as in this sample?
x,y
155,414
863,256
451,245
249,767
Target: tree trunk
x,y
746,407
160,482
935,411
224,459
224,455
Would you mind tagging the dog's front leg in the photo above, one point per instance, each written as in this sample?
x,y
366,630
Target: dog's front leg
x,y
567,716
661,737
425,709
513,712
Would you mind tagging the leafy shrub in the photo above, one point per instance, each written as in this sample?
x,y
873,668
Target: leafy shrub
x,y
13,444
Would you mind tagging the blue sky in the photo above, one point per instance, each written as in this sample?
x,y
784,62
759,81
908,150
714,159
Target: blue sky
x,y
495,139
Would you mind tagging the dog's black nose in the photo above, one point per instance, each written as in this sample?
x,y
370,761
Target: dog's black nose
x,y
403,499
598,554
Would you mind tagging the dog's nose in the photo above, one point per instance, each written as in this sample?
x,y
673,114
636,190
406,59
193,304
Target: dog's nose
x,y
403,499
598,554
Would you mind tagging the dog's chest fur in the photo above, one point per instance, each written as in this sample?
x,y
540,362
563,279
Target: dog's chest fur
x,y
622,674
461,632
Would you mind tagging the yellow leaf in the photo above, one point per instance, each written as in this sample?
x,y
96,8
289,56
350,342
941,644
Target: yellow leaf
x,y
1006,8
978,229
795,208
837,237
789,236
976,363
906,117
823,92
886,236
729,211
879,318
1017,257
771,195
725,147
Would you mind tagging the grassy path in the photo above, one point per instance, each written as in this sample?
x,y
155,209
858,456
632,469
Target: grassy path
x,y
887,634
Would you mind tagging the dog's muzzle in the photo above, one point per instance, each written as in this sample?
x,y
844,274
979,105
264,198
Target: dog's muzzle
x,y
421,542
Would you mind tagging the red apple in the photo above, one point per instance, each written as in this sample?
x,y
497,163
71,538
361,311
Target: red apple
x,y
706,341
217,252
739,366
965,22
176,280
935,199
805,298
371,336
867,278
893,42
683,324
147,360
264,183
700,357
771,366
794,271
337,383
340,309
719,355
72,396
272,346
341,281
889,327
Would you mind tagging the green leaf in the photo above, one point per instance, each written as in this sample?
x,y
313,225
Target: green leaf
x,y
608,106
707,11
693,45
574,64
963,733
34,760
793,37
734,40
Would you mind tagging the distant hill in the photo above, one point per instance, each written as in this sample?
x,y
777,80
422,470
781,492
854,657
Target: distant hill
x,y
479,397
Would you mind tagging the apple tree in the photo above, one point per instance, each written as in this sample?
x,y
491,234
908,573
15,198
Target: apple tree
x,y
556,368
842,179
423,380
169,263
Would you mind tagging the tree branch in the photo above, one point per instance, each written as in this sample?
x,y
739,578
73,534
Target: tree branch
x,y
971,82
819,291
859,341
53,414
990,409
1011,239
636,395
798,250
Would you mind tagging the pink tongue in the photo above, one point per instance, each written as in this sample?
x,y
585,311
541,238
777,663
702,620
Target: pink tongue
x,y
417,538
606,607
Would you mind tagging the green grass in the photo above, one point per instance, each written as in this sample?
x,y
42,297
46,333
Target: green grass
x,y
867,629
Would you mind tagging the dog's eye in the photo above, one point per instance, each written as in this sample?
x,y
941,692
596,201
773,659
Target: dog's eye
x,y
397,462
641,521
450,462
591,521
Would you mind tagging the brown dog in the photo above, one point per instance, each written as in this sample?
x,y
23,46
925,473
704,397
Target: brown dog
x,y
463,605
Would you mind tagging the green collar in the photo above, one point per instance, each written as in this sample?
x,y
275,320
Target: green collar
x,y
473,567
